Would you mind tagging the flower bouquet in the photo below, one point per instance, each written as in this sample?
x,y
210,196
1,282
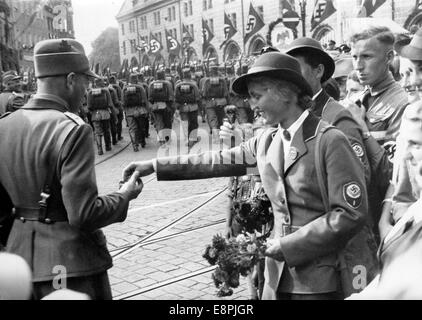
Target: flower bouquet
x,y
234,258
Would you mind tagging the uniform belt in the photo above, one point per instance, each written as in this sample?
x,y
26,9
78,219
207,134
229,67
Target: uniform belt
x,y
288,229
24,214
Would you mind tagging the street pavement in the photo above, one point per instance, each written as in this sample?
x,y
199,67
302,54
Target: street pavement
x,y
166,266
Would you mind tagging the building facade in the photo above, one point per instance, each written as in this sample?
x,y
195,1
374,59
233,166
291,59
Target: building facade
x,y
139,19
9,56
35,21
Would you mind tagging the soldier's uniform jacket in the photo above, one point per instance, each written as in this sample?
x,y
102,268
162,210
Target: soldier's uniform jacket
x,y
191,106
311,238
385,105
211,102
135,111
36,132
335,114
103,112
160,105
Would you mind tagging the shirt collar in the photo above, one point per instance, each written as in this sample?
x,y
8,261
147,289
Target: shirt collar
x,y
382,86
317,94
296,125
52,97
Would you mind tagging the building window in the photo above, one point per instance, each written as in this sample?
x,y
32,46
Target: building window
x,y
185,8
190,8
123,29
173,10
204,5
124,48
233,18
209,4
211,24
157,19
132,26
132,46
169,17
191,31
226,1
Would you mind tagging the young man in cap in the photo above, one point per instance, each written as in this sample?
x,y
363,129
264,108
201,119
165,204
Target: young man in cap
x,y
307,238
58,231
12,98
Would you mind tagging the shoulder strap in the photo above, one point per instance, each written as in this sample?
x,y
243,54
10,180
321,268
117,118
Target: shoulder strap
x,y
46,192
319,168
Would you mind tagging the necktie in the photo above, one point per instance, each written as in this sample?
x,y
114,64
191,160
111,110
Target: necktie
x,y
286,135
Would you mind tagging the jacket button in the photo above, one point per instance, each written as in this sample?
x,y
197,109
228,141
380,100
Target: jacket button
x,y
22,219
47,221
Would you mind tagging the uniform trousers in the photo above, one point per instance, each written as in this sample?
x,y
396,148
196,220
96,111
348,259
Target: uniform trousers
x,y
137,129
192,119
102,128
97,286
163,123
215,116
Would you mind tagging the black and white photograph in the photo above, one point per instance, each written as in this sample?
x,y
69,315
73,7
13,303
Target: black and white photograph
x,y
215,151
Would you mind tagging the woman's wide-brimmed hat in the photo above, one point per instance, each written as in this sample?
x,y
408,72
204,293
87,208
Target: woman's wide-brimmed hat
x,y
274,65
410,49
308,45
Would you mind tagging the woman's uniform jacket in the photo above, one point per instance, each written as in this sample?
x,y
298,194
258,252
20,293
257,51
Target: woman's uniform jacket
x,y
310,237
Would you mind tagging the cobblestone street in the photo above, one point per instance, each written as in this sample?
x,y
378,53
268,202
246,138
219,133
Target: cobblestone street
x,y
171,223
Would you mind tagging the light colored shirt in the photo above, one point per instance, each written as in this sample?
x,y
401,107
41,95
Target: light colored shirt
x,y
292,130
413,212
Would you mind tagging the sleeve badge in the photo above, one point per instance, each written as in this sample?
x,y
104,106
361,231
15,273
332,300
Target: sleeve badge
x,y
357,148
352,194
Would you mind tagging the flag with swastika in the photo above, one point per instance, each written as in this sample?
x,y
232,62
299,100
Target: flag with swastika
x,y
207,36
323,10
369,7
173,45
254,23
229,30
154,45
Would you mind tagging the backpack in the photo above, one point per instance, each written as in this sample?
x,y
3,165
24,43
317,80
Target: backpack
x,y
159,91
98,99
214,88
185,93
132,96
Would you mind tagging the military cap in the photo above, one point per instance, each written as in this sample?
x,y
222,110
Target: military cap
x,y
58,57
276,65
308,45
10,76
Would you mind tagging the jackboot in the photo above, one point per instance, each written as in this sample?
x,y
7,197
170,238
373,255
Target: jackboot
x,y
107,141
98,140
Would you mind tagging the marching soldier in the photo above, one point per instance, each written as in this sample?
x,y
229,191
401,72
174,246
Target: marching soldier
x,y
215,93
199,75
100,104
117,101
142,82
244,110
12,98
135,104
187,99
59,231
161,96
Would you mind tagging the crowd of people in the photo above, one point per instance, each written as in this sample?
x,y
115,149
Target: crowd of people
x,y
332,140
